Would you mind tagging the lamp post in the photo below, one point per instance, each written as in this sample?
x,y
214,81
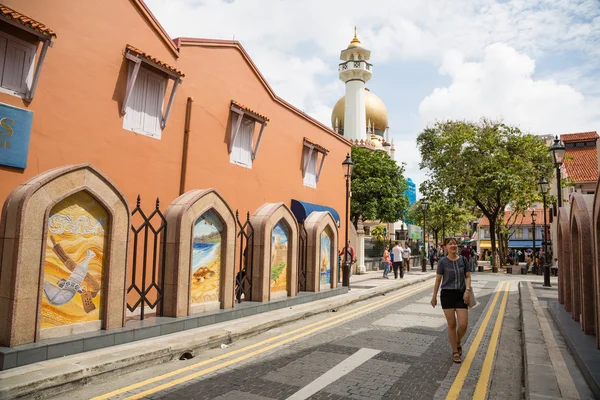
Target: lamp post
x,y
348,164
558,155
544,185
533,215
424,204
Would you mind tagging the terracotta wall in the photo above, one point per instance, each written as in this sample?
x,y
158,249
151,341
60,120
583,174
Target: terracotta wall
x,y
79,94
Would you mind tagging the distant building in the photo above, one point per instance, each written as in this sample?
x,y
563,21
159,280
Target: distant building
x,y
411,192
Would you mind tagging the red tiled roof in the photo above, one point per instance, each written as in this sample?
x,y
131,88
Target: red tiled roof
x,y
155,60
317,146
581,136
520,219
581,164
24,20
250,111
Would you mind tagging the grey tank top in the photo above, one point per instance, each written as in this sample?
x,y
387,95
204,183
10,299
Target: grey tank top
x,y
453,273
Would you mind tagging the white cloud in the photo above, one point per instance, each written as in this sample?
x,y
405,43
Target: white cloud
x,y
501,85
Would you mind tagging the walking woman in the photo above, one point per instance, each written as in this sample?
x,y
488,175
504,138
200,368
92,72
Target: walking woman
x,y
386,262
455,278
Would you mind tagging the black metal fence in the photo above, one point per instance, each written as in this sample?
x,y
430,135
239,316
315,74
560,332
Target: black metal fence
x,y
148,257
245,246
302,258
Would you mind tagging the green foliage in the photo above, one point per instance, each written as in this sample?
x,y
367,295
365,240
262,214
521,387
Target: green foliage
x,y
276,271
486,163
377,233
378,186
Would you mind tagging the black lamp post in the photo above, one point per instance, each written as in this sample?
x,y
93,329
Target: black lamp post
x,y
424,204
558,155
533,215
544,186
348,165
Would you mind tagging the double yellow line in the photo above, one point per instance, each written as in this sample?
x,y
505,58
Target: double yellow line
x,y
486,370
300,332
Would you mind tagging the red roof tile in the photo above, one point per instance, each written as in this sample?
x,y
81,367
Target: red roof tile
x,y
581,136
520,219
250,111
155,60
24,20
581,164
317,146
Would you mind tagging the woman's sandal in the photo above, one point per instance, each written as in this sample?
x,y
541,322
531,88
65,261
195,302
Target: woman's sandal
x,y
459,348
456,357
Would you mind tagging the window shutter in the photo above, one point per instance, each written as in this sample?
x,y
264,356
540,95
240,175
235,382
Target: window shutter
x,y
134,117
153,104
17,66
246,148
310,175
3,42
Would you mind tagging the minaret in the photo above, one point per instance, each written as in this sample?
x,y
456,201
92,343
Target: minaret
x,y
355,71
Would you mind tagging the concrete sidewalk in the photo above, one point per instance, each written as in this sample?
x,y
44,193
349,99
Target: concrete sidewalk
x,y
48,378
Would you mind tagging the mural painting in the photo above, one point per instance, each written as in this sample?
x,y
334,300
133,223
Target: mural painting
x,y
74,262
206,259
325,261
279,258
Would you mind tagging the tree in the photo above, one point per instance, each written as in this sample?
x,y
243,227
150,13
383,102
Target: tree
x,y
487,163
378,186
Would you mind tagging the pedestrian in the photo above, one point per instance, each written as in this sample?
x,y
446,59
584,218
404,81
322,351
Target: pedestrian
x,y
406,256
397,263
455,278
555,267
386,262
466,253
432,256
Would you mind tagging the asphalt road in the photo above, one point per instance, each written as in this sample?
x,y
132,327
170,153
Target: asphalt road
x,y
390,347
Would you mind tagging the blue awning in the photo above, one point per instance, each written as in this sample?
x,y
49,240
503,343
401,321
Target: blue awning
x,y
302,210
518,244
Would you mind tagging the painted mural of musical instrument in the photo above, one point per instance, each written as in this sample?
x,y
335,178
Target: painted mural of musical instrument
x,y
92,284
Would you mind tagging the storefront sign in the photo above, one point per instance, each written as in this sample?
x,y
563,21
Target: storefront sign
x,y
415,232
15,130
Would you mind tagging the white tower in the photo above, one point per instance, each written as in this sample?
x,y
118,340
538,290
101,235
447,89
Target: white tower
x,y
355,71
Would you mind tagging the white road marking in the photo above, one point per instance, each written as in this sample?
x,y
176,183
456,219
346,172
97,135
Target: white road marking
x,y
335,373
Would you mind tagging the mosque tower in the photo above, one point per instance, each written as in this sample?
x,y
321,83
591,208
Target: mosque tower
x,y
360,116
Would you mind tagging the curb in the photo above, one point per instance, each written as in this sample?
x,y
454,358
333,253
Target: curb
x,y
52,377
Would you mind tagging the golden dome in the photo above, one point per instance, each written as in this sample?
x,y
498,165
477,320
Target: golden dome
x,y
376,112
355,42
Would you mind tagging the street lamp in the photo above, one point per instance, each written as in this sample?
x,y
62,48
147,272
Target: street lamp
x,y
558,155
544,185
347,165
533,214
424,204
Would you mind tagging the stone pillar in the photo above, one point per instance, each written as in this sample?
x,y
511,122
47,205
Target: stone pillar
x,y
360,248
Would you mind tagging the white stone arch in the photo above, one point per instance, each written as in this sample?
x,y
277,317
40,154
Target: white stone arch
x,y
316,223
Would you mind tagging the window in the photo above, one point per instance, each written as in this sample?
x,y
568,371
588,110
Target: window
x,y
241,152
242,146
518,234
310,174
16,65
310,159
144,108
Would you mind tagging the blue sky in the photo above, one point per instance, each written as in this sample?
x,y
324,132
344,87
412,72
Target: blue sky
x,y
533,63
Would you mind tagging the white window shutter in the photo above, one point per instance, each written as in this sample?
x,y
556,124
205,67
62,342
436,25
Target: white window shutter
x,y
153,105
18,64
134,117
310,175
248,128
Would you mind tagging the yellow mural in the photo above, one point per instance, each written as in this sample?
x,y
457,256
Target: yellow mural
x,y
74,261
206,259
279,258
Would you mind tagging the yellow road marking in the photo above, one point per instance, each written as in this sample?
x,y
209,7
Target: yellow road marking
x,y
484,377
369,307
459,381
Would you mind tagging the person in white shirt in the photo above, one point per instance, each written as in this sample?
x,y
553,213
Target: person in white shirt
x,y
398,256
406,256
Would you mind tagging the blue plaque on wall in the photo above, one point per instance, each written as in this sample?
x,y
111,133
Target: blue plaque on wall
x,y
15,130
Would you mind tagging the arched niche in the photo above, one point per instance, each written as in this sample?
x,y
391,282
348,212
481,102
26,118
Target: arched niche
x,y
270,221
564,259
582,264
199,266
63,245
322,243
596,247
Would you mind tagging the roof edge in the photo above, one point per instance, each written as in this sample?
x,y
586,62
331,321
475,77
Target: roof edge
x,y
185,41
157,26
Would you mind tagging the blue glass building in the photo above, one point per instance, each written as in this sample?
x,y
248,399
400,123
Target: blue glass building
x,y
411,192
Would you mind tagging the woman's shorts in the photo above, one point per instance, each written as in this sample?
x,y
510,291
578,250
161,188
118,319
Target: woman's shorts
x,y
452,298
